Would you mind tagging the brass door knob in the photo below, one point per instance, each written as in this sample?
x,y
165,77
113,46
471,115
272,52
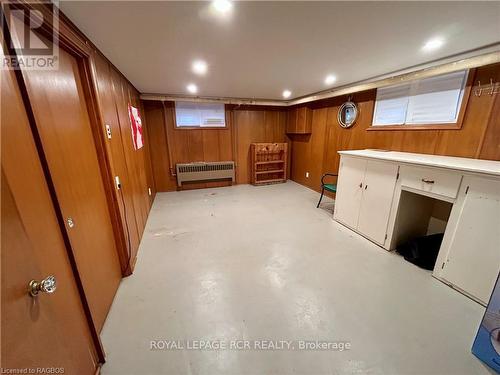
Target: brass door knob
x,y
47,285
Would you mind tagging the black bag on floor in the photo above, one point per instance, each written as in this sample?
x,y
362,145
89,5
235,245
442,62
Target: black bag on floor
x,y
422,251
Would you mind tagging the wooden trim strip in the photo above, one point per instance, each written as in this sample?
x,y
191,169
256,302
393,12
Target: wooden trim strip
x,y
448,126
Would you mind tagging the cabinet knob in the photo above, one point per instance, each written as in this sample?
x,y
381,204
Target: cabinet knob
x,y
427,181
360,184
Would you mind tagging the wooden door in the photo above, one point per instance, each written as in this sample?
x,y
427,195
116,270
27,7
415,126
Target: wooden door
x,y
376,203
61,115
349,190
134,167
47,330
117,154
472,238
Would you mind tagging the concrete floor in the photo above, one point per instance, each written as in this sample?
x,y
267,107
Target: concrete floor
x,y
262,263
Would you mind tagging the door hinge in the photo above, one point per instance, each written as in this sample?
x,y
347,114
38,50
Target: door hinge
x,y
397,176
442,266
108,131
466,190
385,236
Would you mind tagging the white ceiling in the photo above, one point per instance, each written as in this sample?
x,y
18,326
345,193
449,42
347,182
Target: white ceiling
x,y
266,47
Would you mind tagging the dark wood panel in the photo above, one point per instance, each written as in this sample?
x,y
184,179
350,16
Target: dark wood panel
x,y
310,147
255,126
155,118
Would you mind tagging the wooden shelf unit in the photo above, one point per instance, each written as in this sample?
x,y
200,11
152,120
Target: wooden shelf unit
x,y
269,163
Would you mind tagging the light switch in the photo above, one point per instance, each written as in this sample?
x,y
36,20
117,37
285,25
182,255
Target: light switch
x,y
108,131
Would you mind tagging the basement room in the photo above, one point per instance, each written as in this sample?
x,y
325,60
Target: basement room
x,y
250,187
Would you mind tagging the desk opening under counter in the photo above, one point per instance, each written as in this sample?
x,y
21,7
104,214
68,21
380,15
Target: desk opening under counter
x,y
418,216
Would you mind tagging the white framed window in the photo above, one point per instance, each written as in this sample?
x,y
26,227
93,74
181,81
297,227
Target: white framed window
x,y
203,115
434,100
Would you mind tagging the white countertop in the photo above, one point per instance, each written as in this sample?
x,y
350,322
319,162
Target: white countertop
x,y
463,164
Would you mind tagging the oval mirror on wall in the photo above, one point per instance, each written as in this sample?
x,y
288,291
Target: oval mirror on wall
x,y
348,113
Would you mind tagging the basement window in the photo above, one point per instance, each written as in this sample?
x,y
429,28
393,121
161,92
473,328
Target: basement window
x,y
199,115
437,102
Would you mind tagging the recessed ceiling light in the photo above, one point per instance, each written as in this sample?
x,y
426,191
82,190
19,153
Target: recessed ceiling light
x,y
330,79
192,88
433,44
199,67
287,93
222,6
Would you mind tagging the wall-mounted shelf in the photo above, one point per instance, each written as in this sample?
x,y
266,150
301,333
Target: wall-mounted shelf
x,y
269,162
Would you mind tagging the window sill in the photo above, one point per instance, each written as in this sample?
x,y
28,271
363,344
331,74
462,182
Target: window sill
x,y
415,127
201,127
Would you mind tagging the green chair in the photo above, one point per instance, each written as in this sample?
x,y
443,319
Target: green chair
x,y
332,188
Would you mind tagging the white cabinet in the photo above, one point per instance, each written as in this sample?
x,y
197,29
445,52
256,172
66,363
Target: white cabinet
x,y
349,190
378,190
470,253
381,195
364,196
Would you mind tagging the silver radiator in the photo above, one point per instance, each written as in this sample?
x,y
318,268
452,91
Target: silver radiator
x,y
204,171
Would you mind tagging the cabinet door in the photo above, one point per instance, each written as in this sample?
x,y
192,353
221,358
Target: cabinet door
x,y
304,120
299,121
291,121
376,203
349,190
472,239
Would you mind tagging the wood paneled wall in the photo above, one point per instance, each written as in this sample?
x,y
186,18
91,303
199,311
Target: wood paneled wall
x,y
316,153
133,167
254,125
170,145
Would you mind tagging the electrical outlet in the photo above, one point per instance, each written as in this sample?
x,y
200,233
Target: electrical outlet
x,y
149,191
307,174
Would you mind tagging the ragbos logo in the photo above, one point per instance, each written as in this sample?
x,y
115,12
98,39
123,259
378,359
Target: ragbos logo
x,y
31,35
